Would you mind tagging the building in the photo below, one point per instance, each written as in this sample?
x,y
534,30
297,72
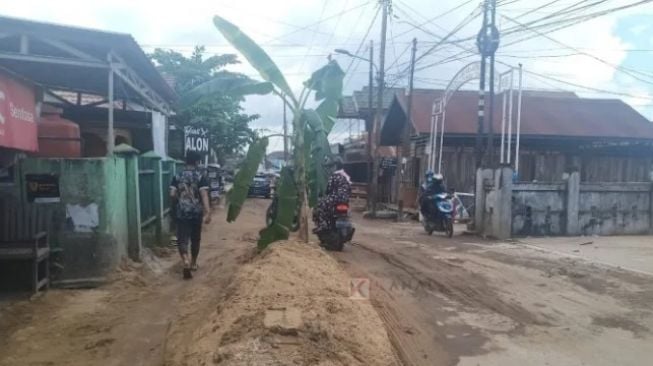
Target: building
x,y
606,140
83,155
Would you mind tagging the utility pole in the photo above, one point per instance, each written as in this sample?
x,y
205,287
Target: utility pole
x,y
404,149
370,129
487,42
285,133
385,4
493,49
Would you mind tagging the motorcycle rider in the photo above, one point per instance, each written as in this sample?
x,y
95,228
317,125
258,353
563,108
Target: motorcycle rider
x,y
338,191
433,185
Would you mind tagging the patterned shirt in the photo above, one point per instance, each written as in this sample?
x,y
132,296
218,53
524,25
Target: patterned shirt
x,y
188,183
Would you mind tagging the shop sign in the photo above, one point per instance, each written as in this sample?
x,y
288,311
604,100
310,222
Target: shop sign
x,y
196,139
42,188
17,116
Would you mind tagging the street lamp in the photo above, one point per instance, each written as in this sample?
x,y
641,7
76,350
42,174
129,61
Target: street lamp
x,y
372,131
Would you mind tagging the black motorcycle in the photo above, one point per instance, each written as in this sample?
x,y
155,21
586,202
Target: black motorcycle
x,y
340,232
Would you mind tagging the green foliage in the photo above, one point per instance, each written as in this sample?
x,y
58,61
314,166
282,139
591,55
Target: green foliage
x,y
198,79
233,85
311,128
254,54
286,210
238,193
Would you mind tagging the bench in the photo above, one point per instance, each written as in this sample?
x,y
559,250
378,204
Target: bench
x,y
36,251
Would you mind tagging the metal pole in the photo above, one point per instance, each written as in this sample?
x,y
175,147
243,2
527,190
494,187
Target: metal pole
x,y
481,92
379,106
285,132
370,102
491,108
404,148
444,114
519,100
110,132
503,119
510,110
434,145
431,137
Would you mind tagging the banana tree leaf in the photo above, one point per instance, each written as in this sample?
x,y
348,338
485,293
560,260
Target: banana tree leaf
x,y
234,86
286,211
327,81
287,195
272,233
238,193
328,111
320,151
254,54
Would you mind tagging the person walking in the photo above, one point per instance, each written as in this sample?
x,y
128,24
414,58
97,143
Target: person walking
x,y
189,190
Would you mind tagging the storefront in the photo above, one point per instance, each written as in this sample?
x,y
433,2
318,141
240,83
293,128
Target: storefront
x,y
18,129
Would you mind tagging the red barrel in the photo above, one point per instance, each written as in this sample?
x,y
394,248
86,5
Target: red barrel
x,y
58,137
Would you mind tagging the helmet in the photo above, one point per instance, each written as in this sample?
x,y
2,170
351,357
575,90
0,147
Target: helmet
x,y
438,177
428,174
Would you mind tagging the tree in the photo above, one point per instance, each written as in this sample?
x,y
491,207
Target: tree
x,y
310,130
221,114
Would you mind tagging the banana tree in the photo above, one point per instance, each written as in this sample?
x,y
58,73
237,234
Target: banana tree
x,y
302,184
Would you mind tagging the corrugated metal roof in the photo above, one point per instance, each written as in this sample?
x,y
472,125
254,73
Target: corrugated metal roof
x,y
543,114
91,41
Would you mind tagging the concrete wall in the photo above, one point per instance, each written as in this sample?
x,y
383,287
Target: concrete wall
x,y
623,208
561,208
90,223
538,209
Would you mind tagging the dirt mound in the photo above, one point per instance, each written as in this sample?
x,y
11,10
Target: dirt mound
x,y
289,306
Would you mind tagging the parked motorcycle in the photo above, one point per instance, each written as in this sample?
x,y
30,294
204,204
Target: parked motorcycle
x,y
440,216
341,232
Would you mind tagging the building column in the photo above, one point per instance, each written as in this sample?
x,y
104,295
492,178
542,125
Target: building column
x,y
135,241
573,203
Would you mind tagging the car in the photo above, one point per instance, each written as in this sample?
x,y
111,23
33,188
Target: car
x,y
260,187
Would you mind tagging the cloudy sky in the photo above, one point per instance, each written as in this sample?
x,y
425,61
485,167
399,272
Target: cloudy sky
x,y
606,57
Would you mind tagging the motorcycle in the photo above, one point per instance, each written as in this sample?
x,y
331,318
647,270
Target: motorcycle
x,y
440,219
341,231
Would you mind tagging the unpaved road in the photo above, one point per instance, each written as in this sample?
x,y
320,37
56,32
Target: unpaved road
x,y
460,301
127,323
465,301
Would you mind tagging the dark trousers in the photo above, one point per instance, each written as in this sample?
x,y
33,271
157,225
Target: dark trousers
x,y
189,230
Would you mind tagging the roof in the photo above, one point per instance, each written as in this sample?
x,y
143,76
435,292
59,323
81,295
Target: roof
x,y
548,114
362,97
50,40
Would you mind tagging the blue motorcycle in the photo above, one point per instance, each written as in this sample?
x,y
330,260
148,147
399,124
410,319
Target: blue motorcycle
x,y
439,214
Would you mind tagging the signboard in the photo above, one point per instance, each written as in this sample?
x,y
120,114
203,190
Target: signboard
x,y
42,188
196,139
17,116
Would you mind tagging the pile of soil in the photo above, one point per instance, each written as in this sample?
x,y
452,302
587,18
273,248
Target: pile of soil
x,y
290,305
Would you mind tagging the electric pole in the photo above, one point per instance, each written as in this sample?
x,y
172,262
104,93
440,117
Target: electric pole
x,y
493,50
403,150
385,4
487,42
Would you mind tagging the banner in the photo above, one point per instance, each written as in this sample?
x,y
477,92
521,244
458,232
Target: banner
x,y
17,116
196,139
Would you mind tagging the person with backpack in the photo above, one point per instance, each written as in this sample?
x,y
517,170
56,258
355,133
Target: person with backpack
x,y
189,191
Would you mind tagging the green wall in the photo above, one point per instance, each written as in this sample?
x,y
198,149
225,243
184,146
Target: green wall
x,y
87,251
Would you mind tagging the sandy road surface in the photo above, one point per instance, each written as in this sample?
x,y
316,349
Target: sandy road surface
x,y
464,301
127,322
